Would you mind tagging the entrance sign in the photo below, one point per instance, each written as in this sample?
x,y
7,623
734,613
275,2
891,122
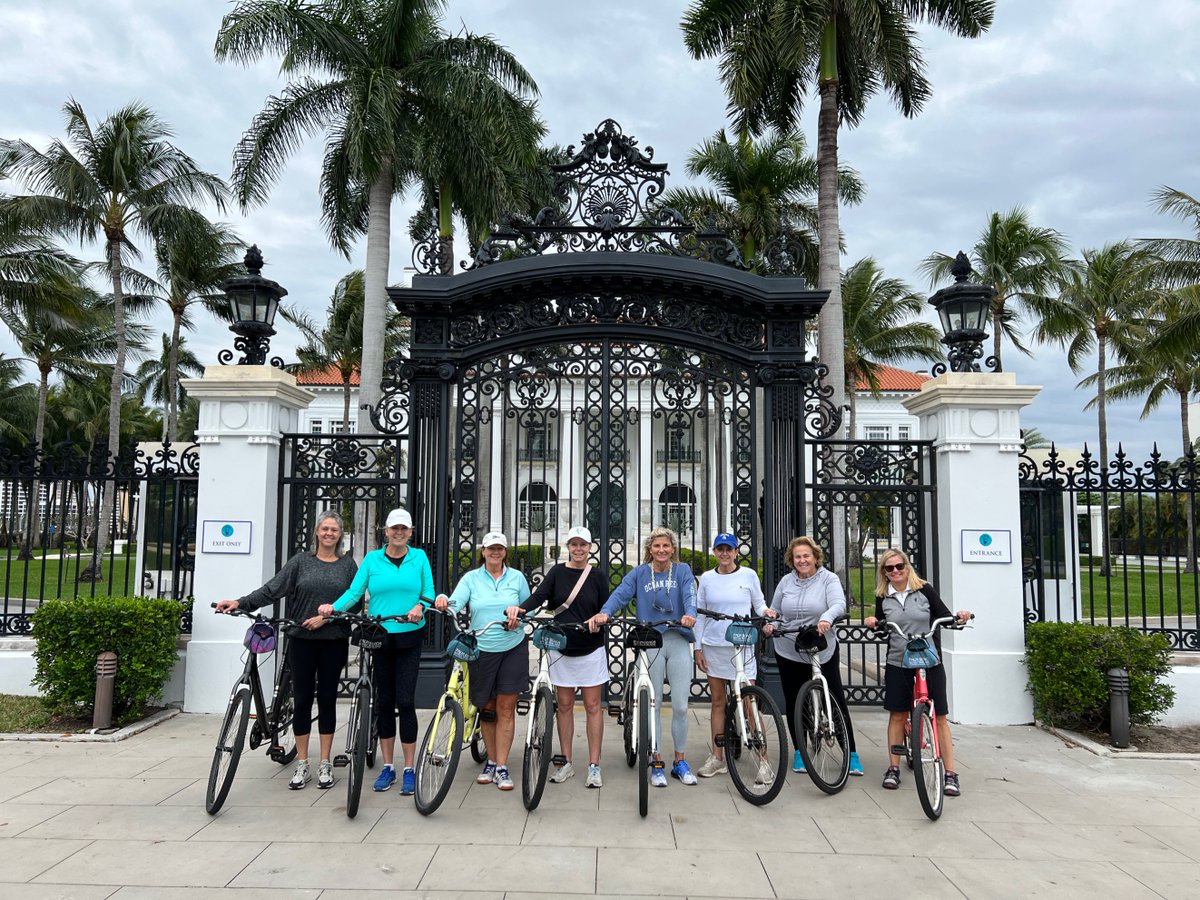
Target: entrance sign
x,y
986,546
225,536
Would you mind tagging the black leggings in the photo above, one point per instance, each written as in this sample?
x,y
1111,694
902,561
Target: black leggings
x,y
793,675
316,668
396,670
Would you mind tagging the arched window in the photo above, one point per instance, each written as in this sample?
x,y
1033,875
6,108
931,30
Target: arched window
x,y
616,512
677,508
537,507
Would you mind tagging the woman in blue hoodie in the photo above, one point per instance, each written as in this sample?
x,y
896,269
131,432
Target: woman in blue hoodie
x,y
664,589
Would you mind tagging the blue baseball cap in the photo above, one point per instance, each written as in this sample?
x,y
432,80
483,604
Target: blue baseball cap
x,y
725,538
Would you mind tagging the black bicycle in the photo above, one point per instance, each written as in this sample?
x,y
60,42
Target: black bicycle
x,y
362,729
273,722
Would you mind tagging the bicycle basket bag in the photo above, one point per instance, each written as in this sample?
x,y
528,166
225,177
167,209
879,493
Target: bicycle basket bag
x,y
643,637
809,640
260,637
741,634
919,654
368,636
464,648
550,637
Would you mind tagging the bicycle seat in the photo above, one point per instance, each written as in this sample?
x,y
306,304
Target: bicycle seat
x,y
810,640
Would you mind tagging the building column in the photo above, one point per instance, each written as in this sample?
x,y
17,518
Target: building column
x,y
973,420
243,411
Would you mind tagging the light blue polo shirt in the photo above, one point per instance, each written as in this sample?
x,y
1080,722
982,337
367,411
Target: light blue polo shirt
x,y
486,598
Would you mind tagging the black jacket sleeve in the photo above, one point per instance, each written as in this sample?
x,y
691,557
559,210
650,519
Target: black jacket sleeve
x,y
937,607
276,589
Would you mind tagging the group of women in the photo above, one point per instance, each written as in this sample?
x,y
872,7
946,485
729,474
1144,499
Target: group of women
x,y
662,591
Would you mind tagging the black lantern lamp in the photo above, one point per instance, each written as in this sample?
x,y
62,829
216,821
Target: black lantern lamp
x,y
253,302
964,308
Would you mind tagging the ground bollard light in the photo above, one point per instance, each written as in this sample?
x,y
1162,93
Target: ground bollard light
x,y
1118,707
106,676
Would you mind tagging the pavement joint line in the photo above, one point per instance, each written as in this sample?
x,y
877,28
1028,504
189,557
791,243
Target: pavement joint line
x,y
120,734
1075,739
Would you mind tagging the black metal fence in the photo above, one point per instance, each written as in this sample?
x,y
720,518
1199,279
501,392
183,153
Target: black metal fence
x,y
50,501
1111,545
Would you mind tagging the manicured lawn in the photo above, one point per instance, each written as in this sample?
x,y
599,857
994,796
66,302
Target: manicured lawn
x,y
23,714
1136,591
43,579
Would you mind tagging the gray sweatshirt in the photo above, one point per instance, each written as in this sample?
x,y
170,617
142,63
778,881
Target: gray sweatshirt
x,y
306,582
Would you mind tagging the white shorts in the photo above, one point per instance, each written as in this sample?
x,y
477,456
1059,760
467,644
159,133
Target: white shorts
x,y
579,671
719,658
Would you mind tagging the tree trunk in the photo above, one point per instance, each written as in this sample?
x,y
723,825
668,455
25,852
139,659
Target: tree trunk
x,y
33,539
375,275
997,331
173,377
94,572
1190,499
855,549
346,403
1102,421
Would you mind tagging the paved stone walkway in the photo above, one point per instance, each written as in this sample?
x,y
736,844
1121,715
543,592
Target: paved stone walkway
x,y
1037,818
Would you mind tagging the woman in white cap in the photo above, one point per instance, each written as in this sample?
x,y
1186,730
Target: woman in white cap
x,y
398,576
317,649
733,589
490,593
574,591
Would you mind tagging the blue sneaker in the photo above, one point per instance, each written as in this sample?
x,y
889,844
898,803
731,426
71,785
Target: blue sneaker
x,y
798,761
386,778
855,765
683,772
408,783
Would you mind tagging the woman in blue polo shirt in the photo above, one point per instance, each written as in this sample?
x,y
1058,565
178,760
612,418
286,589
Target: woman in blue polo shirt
x,y
502,670
397,576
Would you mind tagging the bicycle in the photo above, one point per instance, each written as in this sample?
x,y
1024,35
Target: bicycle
x,y
922,743
274,721
638,712
548,634
822,737
440,748
362,728
753,725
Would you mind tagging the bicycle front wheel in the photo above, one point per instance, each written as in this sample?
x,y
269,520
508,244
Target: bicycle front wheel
x,y
824,739
538,749
929,771
643,752
283,710
478,744
230,741
628,724
437,756
360,722
756,757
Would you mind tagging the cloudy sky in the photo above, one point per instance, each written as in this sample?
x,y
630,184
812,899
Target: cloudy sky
x,y
1074,109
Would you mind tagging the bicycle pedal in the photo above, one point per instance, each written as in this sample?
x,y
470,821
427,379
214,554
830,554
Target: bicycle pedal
x,y
522,707
341,761
719,740
898,749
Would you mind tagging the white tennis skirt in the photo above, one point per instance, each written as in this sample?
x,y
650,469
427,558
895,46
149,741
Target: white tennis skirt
x,y
579,671
719,658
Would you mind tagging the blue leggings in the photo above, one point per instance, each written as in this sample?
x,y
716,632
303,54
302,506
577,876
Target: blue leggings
x,y
676,660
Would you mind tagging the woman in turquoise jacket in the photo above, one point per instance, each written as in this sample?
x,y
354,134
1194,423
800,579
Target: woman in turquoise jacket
x,y
398,577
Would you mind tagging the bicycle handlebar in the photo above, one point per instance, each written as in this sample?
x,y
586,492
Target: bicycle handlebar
x,y
258,617
476,631
531,618
367,619
951,622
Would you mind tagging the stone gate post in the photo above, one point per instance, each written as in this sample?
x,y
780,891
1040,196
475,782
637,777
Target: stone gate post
x,y
243,411
973,420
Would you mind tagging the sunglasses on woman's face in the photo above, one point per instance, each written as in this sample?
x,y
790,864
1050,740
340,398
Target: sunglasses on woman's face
x,y
893,567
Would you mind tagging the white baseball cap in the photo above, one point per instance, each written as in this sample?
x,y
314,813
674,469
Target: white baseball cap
x,y
579,532
398,517
492,538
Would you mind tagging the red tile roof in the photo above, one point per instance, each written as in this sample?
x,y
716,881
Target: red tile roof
x,y
330,376
893,379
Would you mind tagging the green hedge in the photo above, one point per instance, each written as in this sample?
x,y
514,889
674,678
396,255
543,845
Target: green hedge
x,y
1068,665
142,631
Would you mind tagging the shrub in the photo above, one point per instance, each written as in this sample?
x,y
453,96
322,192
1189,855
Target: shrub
x,y
142,631
525,557
1068,665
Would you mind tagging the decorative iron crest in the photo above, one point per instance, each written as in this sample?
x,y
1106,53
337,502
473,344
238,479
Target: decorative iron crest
x,y
604,201
1123,474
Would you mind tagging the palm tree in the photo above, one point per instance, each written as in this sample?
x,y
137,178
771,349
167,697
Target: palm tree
x,y
121,179
1032,438
16,402
386,65
1020,262
1180,257
774,51
763,190
158,380
881,328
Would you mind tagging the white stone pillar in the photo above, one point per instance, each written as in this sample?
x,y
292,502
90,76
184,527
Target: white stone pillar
x,y
243,411
973,420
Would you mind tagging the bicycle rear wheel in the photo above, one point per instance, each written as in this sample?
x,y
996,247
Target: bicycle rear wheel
x,y
929,771
230,740
478,744
756,759
360,721
437,756
538,749
283,709
824,740
628,724
643,752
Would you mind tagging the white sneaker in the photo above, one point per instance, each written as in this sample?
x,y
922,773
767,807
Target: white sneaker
x,y
301,776
563,772
593,777
766,775
712,766
325,774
